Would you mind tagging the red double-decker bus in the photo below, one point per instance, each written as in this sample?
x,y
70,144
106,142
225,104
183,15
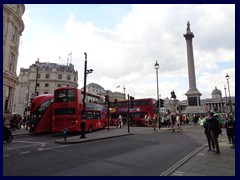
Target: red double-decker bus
x,y
67,110
141,107
41,114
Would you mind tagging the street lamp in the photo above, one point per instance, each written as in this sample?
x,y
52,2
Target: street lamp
x,y
230,101
225,89
83,123
124,89
156,66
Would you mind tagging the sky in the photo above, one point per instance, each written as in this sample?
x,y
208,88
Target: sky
x,y
124,41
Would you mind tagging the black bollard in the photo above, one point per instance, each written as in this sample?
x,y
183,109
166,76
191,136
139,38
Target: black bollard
x,y
65,131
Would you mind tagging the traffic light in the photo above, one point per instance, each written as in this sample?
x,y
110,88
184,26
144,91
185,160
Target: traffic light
x,y
131,101
157,103
115,102
161,103
107,99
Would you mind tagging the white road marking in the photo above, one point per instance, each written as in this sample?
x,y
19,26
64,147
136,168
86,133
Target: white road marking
x,y
43,149
26,152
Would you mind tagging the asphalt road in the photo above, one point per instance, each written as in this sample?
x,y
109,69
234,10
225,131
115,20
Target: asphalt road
x,y
142,154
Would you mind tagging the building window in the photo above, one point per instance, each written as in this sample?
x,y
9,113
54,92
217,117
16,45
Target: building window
x,y
14,34
47,76
68,77
45,92
59,85
60,76
74,79
7,101
46,85
11,62
39,76
38,84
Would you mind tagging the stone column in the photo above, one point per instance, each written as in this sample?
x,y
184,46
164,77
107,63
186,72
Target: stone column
x,y
193,95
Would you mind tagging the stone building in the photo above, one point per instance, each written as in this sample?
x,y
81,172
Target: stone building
x,y
42,78
98,89
217,103
95,89
13,27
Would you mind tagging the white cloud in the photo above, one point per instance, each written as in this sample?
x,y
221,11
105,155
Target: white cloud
x,y
127,53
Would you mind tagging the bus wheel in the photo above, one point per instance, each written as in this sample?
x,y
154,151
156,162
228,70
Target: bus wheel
x,y
90,128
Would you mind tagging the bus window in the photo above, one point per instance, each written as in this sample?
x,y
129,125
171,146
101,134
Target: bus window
x,y
66,95
89,115
64,111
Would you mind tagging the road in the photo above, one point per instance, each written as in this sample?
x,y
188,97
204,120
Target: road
x,y
146,153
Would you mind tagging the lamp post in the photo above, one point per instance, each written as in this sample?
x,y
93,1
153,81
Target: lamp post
x,y
156,66
230,101
36,64
225,89
124,89
83,123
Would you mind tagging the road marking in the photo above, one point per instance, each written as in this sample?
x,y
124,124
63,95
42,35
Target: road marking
x,y
21,147
32,142
178,173
26,152
50,148
182,161
6,155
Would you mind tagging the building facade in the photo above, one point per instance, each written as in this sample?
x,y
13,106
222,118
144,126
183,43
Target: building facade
x,y
95,89
42,78
13,27
217,103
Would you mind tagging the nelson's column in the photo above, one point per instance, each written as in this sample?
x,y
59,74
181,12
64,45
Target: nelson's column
x,y
193,95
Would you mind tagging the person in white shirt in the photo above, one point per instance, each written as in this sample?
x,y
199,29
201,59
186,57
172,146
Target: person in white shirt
x,y
178,122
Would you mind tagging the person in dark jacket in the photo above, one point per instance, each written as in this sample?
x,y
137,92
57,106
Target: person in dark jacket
x,y
211,145
230,128
213,126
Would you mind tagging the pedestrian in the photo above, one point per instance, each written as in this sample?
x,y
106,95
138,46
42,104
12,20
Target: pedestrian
x,y
195,120
159,121
173,121
163,123
154,121
178,122
168,120
24,121
214,127
211,146
230,128
120,121
187,119
28,123
147,120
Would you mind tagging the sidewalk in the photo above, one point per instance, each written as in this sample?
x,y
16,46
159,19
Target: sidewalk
x,y
198,163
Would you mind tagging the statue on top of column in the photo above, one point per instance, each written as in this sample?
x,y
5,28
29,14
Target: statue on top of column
x,y
188,27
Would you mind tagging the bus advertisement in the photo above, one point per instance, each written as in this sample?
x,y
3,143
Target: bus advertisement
x,y
141,108
67,110
41,114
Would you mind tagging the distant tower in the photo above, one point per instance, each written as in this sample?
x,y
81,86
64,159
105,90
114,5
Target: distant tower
x,y
193,95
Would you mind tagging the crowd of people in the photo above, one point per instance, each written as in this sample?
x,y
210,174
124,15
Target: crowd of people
x,y
16,122
212,126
